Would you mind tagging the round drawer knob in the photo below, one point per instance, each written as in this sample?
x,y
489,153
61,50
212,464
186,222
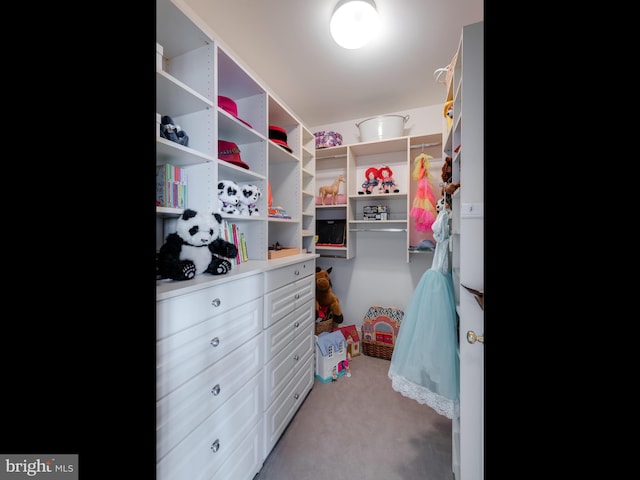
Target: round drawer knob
x,y
216,302
215,446
296,396
216,390
296,273
215,342
296,358
297,324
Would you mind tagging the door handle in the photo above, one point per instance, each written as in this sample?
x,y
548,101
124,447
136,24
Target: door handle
x,y
473,338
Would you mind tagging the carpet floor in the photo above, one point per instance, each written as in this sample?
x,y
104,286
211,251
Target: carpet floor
x,y
359,428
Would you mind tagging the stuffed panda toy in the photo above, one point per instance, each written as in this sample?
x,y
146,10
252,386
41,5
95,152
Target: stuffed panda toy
x,y
249,196
228,197
195,248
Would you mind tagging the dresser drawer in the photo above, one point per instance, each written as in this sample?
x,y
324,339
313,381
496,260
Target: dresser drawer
x,y
178,313
246,461
201,454
286,299
282,410
187,353
279,371
278,277
182,410
281,333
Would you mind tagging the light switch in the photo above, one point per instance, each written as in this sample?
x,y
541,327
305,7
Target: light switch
x,y
472,210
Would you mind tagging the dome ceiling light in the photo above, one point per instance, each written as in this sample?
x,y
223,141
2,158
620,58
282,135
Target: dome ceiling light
x,y
354,23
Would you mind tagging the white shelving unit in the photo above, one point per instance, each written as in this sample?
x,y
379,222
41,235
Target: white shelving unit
x,y
352,161
464,143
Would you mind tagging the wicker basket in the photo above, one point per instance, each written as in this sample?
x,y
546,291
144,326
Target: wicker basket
x,y
376,349
324,326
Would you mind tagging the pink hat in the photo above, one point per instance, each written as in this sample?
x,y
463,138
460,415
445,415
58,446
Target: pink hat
x,y
230,107
279,135
229,152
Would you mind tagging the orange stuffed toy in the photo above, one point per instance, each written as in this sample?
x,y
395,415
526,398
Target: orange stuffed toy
x,y
327,302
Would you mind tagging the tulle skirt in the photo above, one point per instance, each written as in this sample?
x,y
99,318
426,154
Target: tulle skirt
x,y
425,364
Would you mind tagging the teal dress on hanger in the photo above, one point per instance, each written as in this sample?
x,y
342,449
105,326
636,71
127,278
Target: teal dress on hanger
x,y
425,364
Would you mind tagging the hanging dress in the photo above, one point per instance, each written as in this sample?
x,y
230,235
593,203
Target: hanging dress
x,y
425,364
423,209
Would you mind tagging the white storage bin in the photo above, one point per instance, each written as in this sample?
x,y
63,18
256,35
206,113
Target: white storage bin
x,y
325,365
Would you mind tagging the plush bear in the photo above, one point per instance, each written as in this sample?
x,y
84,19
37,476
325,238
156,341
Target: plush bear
x,y
196,247
228,197
325,296
248,200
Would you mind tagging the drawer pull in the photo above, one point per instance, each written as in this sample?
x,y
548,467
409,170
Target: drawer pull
x,y
215,446
296,396
297,296
297,272
296,358
215,342
297,324
216,302
216,390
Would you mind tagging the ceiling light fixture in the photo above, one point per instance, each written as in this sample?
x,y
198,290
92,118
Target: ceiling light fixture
x,y
354,22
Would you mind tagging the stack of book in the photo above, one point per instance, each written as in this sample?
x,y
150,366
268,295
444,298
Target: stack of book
x,y
171,186
233,235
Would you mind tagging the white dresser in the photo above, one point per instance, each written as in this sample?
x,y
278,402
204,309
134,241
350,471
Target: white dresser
x,y
234,361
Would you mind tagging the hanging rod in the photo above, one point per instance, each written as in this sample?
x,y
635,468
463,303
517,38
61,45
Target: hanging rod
x,y
332,156
422,145
377,229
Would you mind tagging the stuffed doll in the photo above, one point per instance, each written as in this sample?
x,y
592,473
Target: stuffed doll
x,y
196,247
325,296
248,200
386,180
228,197
372,179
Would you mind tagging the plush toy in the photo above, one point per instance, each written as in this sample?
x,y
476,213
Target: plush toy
x,y
386,180
248,200
372,179
196,247
228,197
325,296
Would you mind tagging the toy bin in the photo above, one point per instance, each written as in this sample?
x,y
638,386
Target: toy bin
x,y
330,365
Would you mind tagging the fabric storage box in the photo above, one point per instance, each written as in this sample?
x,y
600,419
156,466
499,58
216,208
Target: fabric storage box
x,y
379,331
341,199
331,366
327,139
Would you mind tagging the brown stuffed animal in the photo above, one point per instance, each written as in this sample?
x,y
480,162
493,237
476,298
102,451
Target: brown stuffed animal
x,y
325,296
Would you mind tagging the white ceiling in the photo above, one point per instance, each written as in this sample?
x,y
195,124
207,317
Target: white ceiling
x,y
288,45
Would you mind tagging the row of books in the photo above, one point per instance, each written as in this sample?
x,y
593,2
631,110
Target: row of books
x,y
233,235
171,186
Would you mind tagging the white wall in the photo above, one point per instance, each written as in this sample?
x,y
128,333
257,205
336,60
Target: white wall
x,y
379,274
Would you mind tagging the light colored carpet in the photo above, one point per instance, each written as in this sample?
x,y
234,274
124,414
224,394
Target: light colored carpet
x,y
359,428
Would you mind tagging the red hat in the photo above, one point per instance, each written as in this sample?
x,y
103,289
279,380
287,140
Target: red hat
x,y
229,152
230,107
279,135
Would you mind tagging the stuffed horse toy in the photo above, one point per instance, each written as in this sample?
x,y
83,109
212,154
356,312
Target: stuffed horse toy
x,y
325,298
331,190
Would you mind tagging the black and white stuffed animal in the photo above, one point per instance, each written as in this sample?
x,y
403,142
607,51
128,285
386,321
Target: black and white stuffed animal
x,y
196,247
249,196
228,197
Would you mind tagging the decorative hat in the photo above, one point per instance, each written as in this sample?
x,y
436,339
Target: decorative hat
x,y
279,135
229,152
230,107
